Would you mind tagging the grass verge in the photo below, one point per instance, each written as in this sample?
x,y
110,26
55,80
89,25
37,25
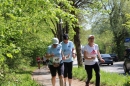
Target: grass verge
x,y
107,79
19,78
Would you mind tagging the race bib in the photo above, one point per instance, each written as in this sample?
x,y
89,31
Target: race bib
x,y
56,60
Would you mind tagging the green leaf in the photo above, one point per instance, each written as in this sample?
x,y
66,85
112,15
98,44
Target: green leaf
x,y
9,55
12,45
2,58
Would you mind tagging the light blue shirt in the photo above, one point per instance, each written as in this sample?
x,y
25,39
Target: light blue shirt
x,y
56,51
67,49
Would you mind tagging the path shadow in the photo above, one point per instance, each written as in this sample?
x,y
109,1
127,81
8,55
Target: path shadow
x,y
24,72
40,73
120,68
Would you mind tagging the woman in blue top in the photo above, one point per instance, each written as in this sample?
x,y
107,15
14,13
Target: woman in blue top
x,y
68,55
55,58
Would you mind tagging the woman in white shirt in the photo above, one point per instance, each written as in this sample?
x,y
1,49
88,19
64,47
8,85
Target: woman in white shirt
x,y
91,51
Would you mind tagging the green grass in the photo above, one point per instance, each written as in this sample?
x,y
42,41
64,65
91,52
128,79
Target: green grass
x,y
107,79
19,78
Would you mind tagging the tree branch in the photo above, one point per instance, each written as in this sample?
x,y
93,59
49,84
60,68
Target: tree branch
x,y
54,25
50,28
105,7
76,3
85,2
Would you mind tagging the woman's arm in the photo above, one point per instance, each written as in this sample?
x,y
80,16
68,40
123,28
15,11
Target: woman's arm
x,y
86,57
99,56
49,55
63,56
73,53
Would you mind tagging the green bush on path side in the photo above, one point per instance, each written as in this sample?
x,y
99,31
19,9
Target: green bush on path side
x,y
19,78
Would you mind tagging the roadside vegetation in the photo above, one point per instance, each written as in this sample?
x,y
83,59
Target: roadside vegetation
x,y
18,78
107,78
27,27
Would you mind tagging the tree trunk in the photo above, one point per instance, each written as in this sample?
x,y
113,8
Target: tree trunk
x,y
78,45
67,28
59,32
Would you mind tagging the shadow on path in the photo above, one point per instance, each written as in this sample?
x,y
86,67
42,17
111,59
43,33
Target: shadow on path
x,y
40,73
43,77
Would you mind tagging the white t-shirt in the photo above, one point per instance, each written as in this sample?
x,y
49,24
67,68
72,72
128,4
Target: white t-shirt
x,y
44,59
92,52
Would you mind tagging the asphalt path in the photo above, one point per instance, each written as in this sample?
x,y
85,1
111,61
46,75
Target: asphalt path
x,y
117,67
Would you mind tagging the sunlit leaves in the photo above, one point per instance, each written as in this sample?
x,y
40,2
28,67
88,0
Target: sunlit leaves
x,y
2,58
9,55
127,24
23,31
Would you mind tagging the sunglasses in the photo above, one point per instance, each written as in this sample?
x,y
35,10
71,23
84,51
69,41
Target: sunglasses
x,y
91,38
55,44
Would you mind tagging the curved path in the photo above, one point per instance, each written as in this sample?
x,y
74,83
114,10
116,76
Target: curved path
x,y
43,77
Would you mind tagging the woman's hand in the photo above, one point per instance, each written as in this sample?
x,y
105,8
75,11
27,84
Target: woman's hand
x,y
49,56
102,60
89,58
52,55
93,57
73,55
64,58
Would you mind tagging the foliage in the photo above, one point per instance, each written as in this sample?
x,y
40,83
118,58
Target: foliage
x,y
109,17
116,11
107,79
19,78
127,23
105,42
84,35
27,28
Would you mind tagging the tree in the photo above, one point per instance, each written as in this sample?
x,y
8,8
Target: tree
x,y
23,33
79,4
116,11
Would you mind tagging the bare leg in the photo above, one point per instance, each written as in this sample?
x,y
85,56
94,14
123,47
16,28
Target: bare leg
x,y
53,80
61,80
38,65
65,81
70,82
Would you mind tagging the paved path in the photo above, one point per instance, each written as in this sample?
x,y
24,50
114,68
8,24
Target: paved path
x,y
117,67
43,77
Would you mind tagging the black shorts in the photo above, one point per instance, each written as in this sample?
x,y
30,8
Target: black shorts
x,y
68,69
38,62
44,63
47,61
59,69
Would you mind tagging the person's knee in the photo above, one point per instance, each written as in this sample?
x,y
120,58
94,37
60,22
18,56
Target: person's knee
x,y
53,77
61,77
98,74
89,77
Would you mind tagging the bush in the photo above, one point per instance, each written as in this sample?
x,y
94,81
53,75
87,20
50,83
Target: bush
x,y
19,78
